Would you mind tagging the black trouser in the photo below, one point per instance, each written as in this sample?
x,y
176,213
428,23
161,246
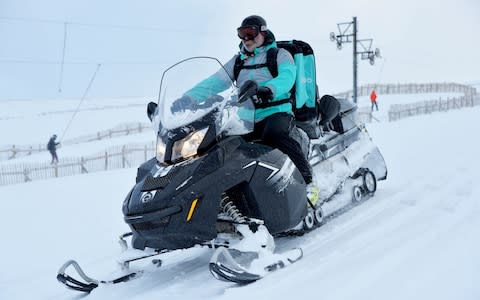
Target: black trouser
x,y
274,131
54,156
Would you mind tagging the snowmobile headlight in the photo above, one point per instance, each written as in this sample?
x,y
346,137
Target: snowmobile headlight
x,y
188,146
160,151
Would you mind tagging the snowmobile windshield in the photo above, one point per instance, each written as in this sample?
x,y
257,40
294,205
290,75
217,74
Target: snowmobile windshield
x,y
197,98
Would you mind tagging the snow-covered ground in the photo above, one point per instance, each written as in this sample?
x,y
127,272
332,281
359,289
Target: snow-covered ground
x,y
93,148
385,102
418,238
96,115
36,120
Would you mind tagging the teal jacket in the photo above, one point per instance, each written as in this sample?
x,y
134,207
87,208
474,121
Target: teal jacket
x,y
280,85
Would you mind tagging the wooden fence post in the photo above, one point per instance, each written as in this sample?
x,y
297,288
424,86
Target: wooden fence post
x,y
106,160
14,152
55,170
26,178
82,165
123,156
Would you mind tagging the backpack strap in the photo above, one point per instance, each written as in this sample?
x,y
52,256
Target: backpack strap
x,y
255,66
237,67
273,103
271,64
272,61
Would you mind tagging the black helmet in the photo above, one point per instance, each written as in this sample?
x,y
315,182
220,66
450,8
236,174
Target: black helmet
x,y
54,136
255,20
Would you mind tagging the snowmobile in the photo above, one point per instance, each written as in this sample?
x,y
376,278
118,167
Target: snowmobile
x,y
209,186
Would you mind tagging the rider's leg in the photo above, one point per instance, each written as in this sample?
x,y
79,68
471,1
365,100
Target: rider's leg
x,y
276,133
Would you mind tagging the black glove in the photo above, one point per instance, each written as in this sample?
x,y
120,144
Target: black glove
x,y
247,91
151,108
264,94
181,104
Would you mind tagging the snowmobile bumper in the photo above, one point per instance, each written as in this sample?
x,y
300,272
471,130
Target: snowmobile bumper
x,y
157,216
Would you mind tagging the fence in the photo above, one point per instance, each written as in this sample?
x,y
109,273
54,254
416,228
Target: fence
x,y
411,88
400,111
115,158
15,151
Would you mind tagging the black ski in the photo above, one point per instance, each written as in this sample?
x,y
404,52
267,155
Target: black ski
x,y
90,284
224,266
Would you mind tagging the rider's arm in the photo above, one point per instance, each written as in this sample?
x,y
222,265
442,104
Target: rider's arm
x,y
283,83
214,84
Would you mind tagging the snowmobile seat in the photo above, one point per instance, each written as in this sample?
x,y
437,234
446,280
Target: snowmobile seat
x,y
310,127
329,109
346,118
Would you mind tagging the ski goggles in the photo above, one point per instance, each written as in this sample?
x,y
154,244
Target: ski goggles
x,y
248,32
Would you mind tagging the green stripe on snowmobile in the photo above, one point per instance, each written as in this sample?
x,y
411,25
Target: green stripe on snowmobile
x,y
310,80
300,90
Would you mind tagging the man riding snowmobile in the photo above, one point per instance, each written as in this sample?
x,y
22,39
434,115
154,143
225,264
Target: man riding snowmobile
x,y
211,185
274,120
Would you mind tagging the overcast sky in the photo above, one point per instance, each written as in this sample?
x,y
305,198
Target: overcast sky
x,y
421,41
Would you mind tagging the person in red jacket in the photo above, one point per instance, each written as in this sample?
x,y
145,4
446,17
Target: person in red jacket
x,y
373,99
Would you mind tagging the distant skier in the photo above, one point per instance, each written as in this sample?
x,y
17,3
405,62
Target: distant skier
x,y
52,148
373,99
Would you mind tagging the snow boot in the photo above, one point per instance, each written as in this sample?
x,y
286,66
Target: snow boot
x,y
313,193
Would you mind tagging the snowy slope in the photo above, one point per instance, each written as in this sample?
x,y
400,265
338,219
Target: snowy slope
x,y
96,115
35,121
418,238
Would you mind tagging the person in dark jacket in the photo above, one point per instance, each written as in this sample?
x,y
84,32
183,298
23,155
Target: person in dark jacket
x,y
52,148
274,119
